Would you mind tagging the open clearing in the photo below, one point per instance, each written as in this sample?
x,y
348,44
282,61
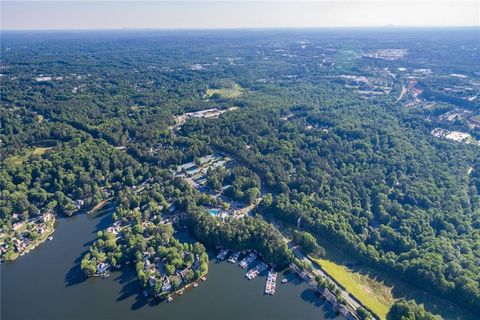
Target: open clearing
x,y
234,91
372,293
365,279
38,151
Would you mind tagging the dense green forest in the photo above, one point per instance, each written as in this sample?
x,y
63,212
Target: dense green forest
x,y
409,310
332,129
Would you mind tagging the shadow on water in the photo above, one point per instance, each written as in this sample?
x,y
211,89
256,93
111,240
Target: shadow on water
x,y
292,278
104,219
75,275
310,297
131,288
105,216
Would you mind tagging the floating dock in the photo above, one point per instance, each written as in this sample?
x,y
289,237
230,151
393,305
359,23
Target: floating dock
x,y
249,259
253,273
234,257
271,283
222,254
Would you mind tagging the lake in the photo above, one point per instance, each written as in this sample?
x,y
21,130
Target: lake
x,y
47,283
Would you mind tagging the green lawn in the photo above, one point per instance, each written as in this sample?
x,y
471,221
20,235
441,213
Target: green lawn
x,y
20,158
40,150
234,91
372,293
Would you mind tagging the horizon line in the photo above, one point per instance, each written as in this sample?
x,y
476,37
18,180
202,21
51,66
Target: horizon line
x,y
248,28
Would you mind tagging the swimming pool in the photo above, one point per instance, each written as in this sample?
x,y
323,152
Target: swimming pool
x,y
214,212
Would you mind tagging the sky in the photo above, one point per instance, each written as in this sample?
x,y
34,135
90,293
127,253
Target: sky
x,y
217,14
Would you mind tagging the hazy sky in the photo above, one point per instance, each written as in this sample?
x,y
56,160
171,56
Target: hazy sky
x,y
89,14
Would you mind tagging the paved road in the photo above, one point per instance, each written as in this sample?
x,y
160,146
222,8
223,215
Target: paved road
x,y
316,270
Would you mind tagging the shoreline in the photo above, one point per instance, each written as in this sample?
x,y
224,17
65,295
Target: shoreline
x,y
41,239
50,230
179,291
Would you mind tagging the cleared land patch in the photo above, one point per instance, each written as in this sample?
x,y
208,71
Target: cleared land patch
x,y
38,151
372,293
234,91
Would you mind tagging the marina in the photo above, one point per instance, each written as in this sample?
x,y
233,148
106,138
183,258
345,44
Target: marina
x,y
222,254
120,297
248,260
234,257
253,273
271,283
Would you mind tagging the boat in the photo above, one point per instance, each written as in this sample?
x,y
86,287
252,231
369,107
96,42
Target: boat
x,y
253,273
247,260
234,257
222,254
204,278
195,285
50,238
169,299
181,292
284,280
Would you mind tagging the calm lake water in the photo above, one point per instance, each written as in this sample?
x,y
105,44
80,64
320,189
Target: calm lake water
x,y
47,284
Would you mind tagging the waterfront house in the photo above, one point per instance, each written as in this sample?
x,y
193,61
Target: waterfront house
x,y
166,286
78,204
17,225
102,267
196,263
330,297
152,281
47,216
183,274
343,311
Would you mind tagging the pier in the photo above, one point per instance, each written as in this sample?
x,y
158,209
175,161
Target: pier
x,y
271,283
253,273
249,259
222,254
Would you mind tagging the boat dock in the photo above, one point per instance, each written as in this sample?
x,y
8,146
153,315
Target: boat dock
x,y
253,273
222,254
271,283
234,257
247,260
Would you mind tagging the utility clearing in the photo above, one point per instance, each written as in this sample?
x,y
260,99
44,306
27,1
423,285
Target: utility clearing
x,y
372,293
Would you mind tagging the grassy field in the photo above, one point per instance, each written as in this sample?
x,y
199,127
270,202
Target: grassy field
x,y
19,159
377,288
372,293
370,278
40,151
234,91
